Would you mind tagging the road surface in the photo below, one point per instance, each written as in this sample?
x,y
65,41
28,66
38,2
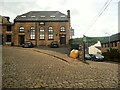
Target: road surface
x,y
26,68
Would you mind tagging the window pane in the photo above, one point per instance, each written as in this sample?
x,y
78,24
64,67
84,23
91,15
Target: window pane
x,y
50,28
62,29
42,32
41,36
9,28
32,33
50,33
21,29
32,28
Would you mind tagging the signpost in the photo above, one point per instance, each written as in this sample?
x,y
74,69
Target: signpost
x,y
71,32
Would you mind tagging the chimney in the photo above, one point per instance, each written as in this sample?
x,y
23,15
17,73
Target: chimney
x,y
68,13
7,18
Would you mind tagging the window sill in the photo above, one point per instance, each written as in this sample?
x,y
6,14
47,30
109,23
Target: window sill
x,y
9,31
32,39
41,39
50,39
62,31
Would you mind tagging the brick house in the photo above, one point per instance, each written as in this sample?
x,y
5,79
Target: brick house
x,y
6,34
42,27
113,42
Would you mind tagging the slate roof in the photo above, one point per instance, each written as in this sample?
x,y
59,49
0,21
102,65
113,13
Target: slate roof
x,y
115,37
42,16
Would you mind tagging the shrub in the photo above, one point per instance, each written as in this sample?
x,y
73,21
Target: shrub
x,y
112,55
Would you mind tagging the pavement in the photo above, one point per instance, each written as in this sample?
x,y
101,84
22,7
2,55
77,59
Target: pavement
x,y
44,68
59,53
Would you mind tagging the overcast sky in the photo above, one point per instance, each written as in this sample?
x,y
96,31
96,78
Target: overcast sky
x,y
83,13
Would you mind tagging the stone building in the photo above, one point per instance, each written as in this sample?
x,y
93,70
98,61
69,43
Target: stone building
x,y
42,27
6,31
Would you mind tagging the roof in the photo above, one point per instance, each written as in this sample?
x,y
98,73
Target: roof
x,y
42,16
115,37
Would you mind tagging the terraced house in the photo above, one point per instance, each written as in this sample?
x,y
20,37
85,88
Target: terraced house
x,y
42,27
113,42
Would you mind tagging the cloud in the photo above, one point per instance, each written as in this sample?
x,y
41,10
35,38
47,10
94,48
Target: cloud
x,y
6,1
108,22
83,13
12,9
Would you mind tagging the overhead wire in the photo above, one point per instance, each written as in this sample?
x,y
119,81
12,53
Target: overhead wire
x,y
107,3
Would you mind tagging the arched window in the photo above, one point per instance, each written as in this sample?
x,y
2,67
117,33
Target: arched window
x,y
62,29
32,33
21,29
50,33
42,33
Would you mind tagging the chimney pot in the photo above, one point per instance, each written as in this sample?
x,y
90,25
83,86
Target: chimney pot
x,y
68,13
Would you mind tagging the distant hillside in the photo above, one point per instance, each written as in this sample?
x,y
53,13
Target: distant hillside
x,y
91,40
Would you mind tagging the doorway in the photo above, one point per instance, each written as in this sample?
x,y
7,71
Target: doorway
x,y
8,38
63,39
21,39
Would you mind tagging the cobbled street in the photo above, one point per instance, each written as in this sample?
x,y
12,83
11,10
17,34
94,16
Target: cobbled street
x,y
26,68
